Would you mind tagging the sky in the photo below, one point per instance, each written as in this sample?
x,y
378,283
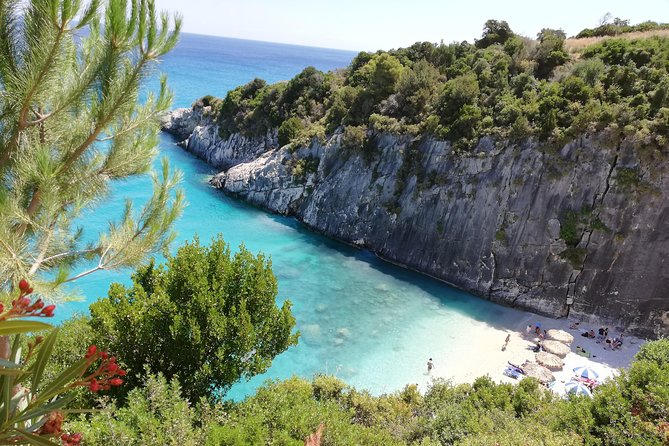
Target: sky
x,y
384,24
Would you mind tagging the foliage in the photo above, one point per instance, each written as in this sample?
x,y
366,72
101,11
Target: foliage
x,y
70,124
656,352
154,415
630,409
74,336
504,86
494,32
219,304
289,130
285,413
619,26
354,137
32,402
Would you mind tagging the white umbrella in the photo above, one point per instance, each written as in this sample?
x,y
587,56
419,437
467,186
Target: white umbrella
x,y
560,335
577,388
586,372
557,387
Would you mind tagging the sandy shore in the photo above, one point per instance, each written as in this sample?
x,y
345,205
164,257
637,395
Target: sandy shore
x,y
483,354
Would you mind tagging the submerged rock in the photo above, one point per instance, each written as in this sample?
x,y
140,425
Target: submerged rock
x,y
580,231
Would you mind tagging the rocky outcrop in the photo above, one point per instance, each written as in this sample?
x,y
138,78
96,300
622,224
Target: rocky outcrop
x,y
581,230
197,133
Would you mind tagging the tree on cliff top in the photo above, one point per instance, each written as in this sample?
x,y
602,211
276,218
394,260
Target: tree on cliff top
x,y
209,317
70,124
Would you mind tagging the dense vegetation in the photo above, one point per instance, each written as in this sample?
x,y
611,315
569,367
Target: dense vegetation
x,y
633,409
209,317
503,85
619,26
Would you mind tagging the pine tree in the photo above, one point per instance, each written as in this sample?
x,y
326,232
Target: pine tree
x,y
71,123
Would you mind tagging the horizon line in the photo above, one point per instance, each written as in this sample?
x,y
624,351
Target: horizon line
x,y
273,42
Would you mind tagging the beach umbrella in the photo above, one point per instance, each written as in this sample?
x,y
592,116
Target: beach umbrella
x,y
538,371
549,360
557,387
556,348
577,388
560,335
586,372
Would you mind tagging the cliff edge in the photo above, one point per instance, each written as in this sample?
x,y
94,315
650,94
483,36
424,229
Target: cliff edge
x,y
579,230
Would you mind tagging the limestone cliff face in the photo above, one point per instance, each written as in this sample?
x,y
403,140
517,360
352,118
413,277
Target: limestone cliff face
x,y
581,230
198,135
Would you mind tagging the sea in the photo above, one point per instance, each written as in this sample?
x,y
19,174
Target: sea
x,y
361,319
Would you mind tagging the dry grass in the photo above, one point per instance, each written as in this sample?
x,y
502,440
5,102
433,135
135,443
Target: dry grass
x,y
576,46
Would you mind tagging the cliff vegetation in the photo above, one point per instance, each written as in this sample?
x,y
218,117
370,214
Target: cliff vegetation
x,y
504,85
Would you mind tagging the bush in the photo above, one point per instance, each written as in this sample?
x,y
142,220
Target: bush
x,y
155,415
289,130
354,138
221,305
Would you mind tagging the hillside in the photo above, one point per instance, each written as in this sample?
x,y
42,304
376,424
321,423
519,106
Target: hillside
x,y
506,167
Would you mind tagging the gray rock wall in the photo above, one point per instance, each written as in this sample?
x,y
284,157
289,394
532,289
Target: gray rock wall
x,y
580,231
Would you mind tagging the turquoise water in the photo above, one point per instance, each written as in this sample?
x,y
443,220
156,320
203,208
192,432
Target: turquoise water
x,y
366,321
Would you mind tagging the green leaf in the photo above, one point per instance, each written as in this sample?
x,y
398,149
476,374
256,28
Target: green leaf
x,y
56,386
45,409
21,326
7,384
35,439
42,358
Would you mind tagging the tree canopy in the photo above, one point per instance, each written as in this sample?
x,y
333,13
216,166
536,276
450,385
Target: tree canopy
x,y
208,317
505,86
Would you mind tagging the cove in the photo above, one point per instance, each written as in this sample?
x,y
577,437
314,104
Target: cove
x,y
366,321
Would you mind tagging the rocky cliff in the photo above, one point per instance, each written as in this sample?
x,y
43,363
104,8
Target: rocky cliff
x,y
580,230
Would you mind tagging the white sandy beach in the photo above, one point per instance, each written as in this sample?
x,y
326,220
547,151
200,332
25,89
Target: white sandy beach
x,y
483,354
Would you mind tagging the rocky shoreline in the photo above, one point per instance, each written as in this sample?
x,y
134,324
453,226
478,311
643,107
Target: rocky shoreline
x,y
579,231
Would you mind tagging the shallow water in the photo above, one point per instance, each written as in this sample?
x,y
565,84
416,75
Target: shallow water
x,y
364,320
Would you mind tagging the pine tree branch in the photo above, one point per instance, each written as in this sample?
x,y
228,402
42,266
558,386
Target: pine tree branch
x,y
45,247
69,253
130,128
35,201
101,124
25,107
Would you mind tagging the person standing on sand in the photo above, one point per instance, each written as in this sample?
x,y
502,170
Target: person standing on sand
x,y
430,365
506,342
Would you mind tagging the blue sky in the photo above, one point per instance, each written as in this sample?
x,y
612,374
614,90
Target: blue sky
x,y
385,24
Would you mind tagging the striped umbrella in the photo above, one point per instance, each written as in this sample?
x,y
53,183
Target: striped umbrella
x,y
577,388
586,372
557,387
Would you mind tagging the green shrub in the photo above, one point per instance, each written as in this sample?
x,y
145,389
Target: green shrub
x,y
354,138
155,415
219,304
289,130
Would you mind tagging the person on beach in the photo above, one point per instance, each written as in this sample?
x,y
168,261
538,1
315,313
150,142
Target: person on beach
x,y
506,342
528,330
430,366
